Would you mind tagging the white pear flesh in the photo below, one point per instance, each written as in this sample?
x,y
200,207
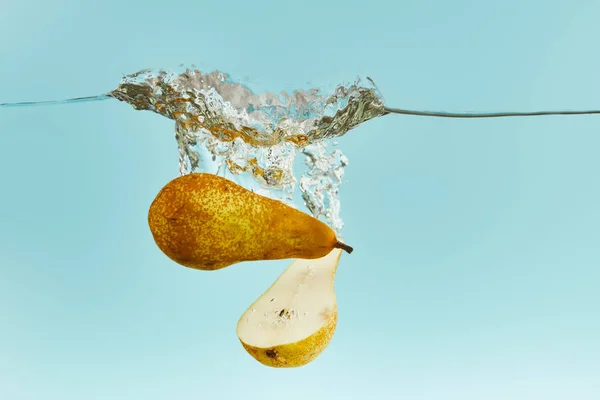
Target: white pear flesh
x,y
291,323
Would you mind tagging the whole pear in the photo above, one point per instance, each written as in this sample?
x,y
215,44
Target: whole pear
x,y
207,222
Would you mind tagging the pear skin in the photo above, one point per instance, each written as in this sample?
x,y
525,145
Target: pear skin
x,y
207,222
294,320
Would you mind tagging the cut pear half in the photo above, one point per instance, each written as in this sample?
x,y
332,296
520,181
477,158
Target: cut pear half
x,y
291,323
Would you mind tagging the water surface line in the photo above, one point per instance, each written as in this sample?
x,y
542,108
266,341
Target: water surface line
x,y
443,114
56,102
388,110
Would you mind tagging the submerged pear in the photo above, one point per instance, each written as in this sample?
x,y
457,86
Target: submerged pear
x,y
292,322
207,222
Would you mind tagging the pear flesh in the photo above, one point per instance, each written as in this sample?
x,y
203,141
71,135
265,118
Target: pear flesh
x,y
207,222
292,322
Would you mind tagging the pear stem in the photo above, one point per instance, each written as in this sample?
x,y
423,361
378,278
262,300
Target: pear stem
x,y
343,246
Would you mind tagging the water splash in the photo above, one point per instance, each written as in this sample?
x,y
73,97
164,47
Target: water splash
x,y
222,127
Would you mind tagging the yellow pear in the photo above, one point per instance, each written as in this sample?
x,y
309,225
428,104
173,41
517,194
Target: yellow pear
x,y
207,222
291,323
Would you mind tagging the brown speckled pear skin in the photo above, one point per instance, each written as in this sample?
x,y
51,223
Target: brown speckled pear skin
x,y
207,222
297,354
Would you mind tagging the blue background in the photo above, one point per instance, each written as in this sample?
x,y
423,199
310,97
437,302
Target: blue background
x,y
476,266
